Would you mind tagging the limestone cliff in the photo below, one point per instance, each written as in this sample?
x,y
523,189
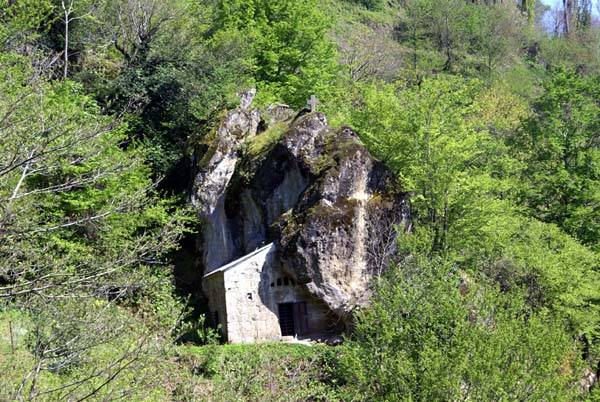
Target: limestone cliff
x,y
314,191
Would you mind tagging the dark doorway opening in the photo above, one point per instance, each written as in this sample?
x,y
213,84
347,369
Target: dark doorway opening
x,y
293,319
286,319
301,318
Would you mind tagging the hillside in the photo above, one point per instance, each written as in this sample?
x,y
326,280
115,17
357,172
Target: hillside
x,y
332,200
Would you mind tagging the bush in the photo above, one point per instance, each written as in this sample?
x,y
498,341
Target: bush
x,y
260,372
432,335
370,4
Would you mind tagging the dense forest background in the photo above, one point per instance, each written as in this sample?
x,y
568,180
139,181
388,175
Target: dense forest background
x,y
487,110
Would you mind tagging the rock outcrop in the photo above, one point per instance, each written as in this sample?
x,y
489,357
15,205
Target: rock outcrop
x,y
314,191
212,178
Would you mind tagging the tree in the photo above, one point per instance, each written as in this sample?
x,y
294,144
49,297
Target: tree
x,y
82,232
584,14
136,24
291,56
568,13
448,25
560,146
20,21
576,16
413,30
528,7
452,36
71,13
149,59
465,187
369,53
430,136
431,334
497,33
370,4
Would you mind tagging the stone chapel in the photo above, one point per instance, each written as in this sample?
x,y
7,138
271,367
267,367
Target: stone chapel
x,y
254,300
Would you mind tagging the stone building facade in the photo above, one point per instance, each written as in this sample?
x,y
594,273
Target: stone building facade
x,y
254,300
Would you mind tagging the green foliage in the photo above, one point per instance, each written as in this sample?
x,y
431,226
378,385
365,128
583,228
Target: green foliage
x,y
21,21
130,362
498,286
432,137
460,36
446,140
370,4
265,372
556,271
135,58
84,242
528,6
205,334
291,57
559,144
431,335
568,53
266,140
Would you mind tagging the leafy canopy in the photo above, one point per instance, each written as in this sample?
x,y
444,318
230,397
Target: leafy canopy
x,y
430,334
559,144
290,55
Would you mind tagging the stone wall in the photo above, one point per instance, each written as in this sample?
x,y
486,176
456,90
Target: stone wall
x,y
320,319
248,318
214,289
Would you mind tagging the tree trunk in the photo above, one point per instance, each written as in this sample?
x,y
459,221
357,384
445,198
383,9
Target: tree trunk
x,y
569,6
66,66
67,11
528,7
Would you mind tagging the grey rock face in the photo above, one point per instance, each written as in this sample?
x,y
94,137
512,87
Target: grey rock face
x,y
332,239
246,98
211,181
277,113
317,193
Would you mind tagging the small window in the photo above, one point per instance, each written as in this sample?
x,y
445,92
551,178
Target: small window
x,y
286,281
278,281
272,284
293,282
249,296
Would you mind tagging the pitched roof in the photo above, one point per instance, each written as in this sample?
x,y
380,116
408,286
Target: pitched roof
x,y
238,261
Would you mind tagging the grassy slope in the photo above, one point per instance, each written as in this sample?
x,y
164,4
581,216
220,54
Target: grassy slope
x,y
258,372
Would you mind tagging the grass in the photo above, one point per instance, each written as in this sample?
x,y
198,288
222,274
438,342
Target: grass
x,y
263,142
261,372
